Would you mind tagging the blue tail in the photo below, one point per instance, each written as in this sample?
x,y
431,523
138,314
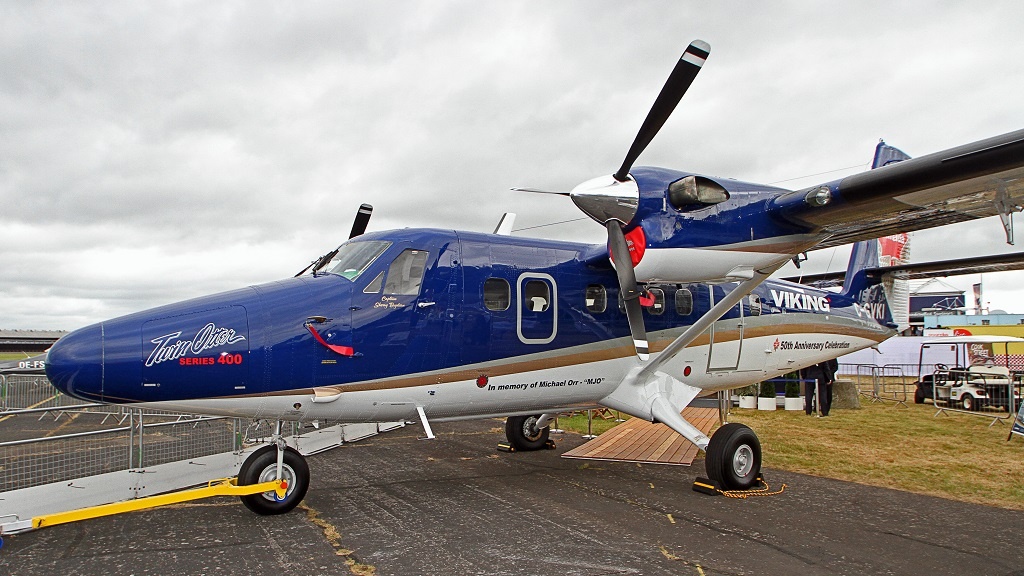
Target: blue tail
x,y
871,293
885,155
866,288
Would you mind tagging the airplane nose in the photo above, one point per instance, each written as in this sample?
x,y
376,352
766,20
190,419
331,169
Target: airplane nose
x,y
74,363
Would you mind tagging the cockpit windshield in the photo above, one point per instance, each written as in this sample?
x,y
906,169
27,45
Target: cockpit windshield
x,y
355,257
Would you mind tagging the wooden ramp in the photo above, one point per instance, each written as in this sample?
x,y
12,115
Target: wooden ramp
x,y
637,440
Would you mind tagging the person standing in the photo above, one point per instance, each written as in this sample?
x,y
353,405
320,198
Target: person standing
x,y
811,376
829,367
818,379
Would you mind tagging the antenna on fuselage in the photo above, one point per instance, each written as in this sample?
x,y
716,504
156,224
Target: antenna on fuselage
x,y
504,227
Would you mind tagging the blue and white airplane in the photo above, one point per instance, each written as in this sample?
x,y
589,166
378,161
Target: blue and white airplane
x,y
438,325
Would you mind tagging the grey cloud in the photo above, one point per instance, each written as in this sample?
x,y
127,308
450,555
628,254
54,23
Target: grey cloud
x,y
195,132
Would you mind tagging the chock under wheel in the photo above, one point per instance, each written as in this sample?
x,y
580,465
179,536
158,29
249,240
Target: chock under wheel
x,y
713,488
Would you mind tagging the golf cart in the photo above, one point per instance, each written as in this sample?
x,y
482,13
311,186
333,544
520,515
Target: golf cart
x,y
980,376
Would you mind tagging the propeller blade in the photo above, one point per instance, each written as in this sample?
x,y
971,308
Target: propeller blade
x,y
628,288
539,191
358,227
362,219
678,82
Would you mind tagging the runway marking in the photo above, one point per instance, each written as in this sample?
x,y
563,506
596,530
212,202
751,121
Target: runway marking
x,y
74,416
334,539
670,556
36,405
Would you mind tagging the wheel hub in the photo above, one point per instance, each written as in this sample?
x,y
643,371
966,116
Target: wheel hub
x,y
743,460
269,474
530,430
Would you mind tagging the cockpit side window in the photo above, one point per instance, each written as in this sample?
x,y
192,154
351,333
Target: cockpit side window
x,y
405,275
375,286
353,258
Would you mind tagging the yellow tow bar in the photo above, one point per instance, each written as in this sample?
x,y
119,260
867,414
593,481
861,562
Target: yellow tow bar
x,y
222,487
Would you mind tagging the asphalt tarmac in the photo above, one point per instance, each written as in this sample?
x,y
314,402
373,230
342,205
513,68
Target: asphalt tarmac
x,y
395,505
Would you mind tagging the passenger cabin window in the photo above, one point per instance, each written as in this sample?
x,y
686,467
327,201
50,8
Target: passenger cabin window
x,y
597,298
405,275
497,294
536,296
684,302
755,305
658,308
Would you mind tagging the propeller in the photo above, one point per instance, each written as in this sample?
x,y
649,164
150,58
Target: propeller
x,y
358,227
627,287
671,93
613,200
362,219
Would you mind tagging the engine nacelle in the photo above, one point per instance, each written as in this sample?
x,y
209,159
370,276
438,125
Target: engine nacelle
x,y
691,228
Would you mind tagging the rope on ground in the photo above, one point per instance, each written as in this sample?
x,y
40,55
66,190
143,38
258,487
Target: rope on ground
x,y
744,494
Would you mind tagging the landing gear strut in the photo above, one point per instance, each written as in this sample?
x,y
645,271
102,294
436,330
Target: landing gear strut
x,y
270,463
733,457
524,433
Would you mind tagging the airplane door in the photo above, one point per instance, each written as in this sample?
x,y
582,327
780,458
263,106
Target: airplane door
x,y
730,350
437,310
726,343
536,308
402,317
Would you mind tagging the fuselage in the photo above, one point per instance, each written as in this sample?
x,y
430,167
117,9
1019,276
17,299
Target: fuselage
x,y
459,324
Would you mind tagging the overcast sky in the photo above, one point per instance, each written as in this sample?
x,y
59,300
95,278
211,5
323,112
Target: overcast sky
x,y
152,152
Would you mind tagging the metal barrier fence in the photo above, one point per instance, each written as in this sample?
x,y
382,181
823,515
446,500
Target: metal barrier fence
x,y
135,439
24,391
990,396
908,370
885,383
977,394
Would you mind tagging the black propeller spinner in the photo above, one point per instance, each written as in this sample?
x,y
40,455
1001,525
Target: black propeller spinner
x,y
613,200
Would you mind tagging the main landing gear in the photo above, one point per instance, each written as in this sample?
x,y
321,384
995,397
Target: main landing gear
x,y
733,457
269,463
525,433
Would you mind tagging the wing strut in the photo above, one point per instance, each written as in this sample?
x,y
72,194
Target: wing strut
x,y
650,393
1005,207
705,321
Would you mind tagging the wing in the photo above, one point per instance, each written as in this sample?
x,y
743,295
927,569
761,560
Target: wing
x,y
976,180
937,269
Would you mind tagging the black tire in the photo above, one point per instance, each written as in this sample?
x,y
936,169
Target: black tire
x,y
968,402
733,457
261,466
518,432
919,396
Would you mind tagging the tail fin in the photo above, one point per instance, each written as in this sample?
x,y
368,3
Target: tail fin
x,y
884,297
885,155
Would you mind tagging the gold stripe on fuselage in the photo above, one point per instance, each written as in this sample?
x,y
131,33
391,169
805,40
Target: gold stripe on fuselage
x,y
771,325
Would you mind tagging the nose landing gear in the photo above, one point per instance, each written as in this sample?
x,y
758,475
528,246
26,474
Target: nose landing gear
x,y
273,462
